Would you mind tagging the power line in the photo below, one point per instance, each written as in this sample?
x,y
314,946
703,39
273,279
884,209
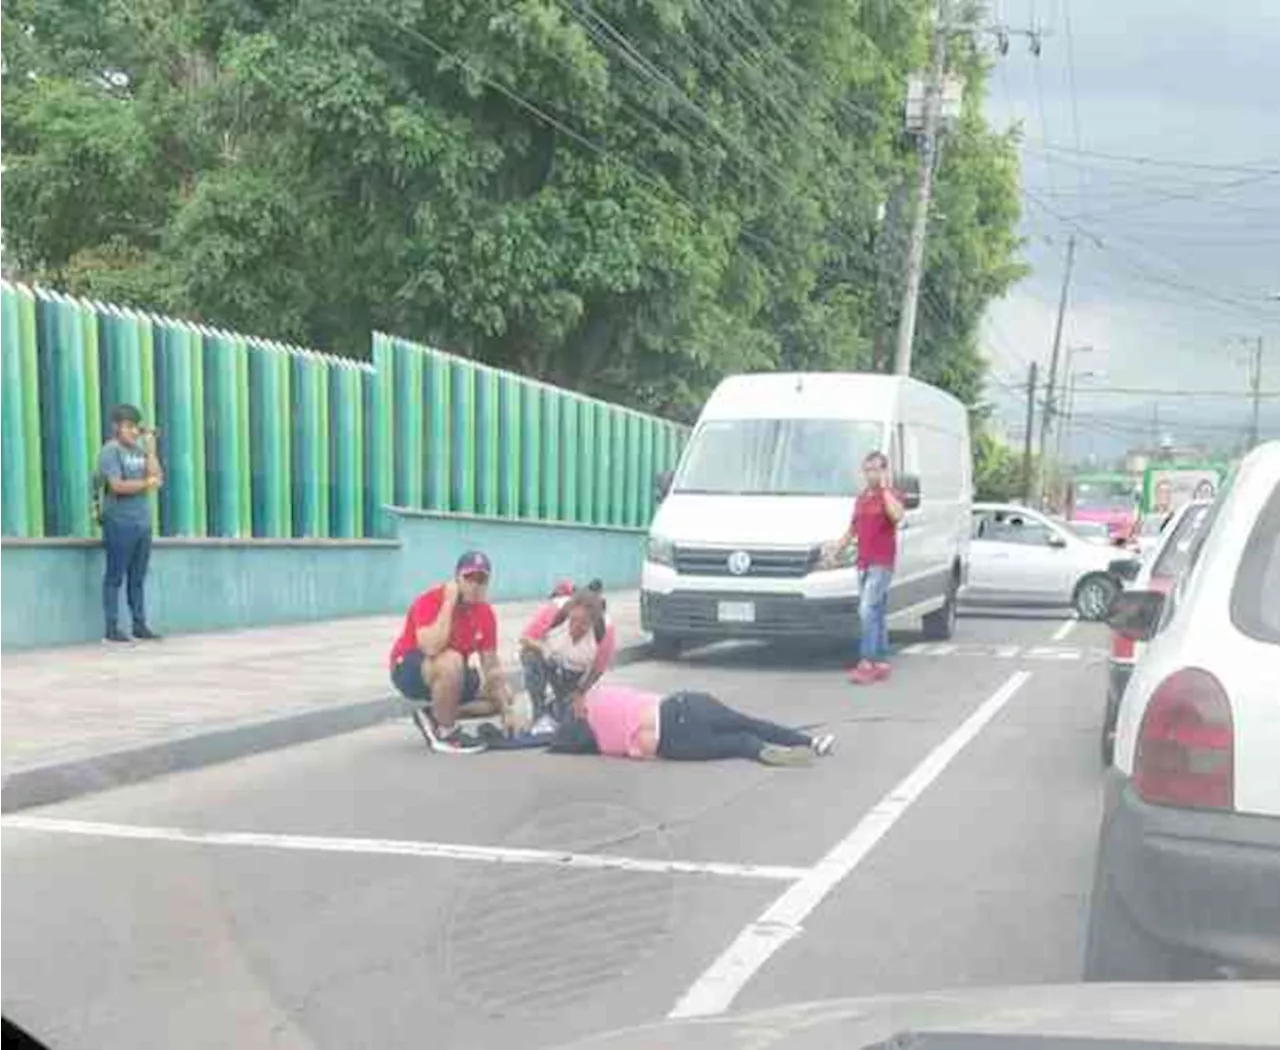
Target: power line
x,y
1256,167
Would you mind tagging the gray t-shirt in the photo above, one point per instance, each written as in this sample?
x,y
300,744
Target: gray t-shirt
x,y
119,462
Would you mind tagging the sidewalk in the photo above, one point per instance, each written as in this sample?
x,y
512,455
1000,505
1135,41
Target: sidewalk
x,y
86,717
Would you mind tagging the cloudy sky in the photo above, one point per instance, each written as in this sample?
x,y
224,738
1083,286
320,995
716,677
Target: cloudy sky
x,y
1151,129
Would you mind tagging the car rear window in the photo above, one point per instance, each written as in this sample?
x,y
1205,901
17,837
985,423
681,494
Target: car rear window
x,y
1176,552
1255,596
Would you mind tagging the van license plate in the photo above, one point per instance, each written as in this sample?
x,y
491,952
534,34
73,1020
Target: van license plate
x,y
736,612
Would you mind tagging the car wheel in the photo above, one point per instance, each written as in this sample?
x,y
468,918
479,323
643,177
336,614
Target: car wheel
x,y
1115,948
666,647
1094,595
940,625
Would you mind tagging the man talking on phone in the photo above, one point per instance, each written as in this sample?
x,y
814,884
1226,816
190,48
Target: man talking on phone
x,y
877,513
128,471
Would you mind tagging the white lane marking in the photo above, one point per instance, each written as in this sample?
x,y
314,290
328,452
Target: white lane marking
x,y
1062,632
404,848
715,990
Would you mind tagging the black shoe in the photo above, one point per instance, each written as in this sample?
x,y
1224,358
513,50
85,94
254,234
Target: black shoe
x,y
114,634
143,633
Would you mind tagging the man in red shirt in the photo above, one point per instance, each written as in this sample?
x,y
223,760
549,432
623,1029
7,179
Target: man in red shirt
x,y
876,515
431,659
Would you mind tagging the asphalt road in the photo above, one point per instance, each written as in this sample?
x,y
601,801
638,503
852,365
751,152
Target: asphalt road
x,y
938,848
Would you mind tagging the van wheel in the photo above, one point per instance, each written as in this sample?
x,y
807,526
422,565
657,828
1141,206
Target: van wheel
x,y
1094,595
666,646
940,625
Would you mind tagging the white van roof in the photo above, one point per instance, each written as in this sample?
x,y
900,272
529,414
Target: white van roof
x,y
825,395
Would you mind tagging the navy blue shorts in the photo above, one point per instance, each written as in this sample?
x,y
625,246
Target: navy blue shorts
x,y
406,676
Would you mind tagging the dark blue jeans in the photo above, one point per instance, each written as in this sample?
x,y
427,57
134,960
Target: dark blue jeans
x,y
128,547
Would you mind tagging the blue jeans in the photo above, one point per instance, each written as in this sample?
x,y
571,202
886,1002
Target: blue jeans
x,y
128,547
873,610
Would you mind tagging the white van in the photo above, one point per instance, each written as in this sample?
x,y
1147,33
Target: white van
x,y
769,477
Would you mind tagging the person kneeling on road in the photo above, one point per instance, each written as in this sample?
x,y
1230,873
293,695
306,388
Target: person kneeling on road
x,y
684,726
431,660
564,650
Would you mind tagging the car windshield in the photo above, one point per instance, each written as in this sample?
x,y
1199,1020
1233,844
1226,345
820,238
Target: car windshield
x,y
1103,495
778,457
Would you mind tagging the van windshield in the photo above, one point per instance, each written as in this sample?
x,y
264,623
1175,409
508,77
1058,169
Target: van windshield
x,y
778,457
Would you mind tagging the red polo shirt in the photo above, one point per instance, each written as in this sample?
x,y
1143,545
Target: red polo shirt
x,y
876,533
474,629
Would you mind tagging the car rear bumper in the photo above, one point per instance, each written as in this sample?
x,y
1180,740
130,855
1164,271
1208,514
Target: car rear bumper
x,y
1196,880
696,615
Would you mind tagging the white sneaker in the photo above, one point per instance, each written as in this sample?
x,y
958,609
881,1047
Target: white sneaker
x,y
454,742
546,725
823,744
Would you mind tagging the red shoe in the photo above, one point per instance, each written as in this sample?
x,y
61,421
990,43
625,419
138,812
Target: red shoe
x,y
864,674
882,670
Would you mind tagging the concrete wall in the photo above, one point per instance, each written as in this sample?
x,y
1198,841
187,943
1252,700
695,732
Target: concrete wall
x,y
51,592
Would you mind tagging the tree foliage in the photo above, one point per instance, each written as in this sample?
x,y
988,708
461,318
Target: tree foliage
x,y
628,199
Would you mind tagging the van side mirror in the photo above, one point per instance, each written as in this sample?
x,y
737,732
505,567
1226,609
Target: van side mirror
x,y
1057,541
662,484
1136,614
1125,568
909,486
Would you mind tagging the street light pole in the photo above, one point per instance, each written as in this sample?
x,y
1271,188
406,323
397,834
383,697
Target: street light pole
x,y
1046,417
924,191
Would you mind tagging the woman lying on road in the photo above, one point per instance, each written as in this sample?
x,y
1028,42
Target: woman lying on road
x,y
632,723
564,650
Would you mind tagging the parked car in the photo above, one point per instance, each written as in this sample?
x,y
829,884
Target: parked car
x,y
1187,882
1157,572
1022,557
768,479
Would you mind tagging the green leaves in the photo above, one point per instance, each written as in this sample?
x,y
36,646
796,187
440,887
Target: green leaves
x,y
631,199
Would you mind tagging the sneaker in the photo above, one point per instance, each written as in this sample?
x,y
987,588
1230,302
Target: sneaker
x,y
864,673
823,744
144,633
882,670
546,725
777,755
114,634
422,719
456,742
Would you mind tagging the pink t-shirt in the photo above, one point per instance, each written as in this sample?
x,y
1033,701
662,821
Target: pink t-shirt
x,y
615,714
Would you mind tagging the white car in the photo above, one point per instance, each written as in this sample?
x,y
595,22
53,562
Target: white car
x,y
1158,571
1019,556
1188,871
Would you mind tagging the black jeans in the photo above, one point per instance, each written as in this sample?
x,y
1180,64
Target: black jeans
x,y
540,677
697,726
128,547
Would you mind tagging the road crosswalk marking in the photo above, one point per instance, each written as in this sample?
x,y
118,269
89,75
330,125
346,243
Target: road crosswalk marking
x,y
1005,651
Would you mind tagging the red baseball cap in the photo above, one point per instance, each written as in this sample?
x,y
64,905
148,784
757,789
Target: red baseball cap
x,y
473,562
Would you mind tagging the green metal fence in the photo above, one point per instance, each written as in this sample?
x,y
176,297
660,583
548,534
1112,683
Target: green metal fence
x,y
260,439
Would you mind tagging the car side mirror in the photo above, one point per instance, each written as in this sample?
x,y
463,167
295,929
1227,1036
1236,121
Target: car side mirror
x,y
1136,614
662,484
909,486
1125,568
1057,541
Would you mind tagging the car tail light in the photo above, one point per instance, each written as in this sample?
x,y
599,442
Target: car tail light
x,y
1185,754
1121,647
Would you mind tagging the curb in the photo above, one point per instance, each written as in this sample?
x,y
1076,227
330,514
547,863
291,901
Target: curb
x,y
60,781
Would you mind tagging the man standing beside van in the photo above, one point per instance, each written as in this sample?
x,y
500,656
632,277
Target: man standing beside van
x,y
876,514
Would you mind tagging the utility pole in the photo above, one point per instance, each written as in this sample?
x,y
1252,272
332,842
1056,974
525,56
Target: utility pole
x,y
1026,438
1255,385
924,190
1046,417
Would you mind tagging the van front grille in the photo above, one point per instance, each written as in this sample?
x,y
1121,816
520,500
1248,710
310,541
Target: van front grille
x,y
762,563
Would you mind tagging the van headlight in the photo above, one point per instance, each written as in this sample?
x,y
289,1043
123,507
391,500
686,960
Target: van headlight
x,y
661,551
